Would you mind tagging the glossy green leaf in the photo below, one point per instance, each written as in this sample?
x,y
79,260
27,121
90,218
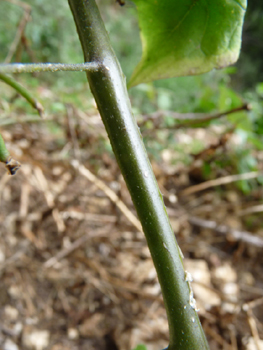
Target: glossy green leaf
x,y
187,37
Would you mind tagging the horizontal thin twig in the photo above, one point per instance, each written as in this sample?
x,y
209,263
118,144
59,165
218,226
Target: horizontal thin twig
x,y
252,210
243,236
73,214
252,304
209,117
26,119
220,181
47,67
76,244
192,118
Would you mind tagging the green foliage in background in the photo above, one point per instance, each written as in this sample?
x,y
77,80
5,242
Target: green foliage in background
x,y
250,64
140,347
51,38
182,38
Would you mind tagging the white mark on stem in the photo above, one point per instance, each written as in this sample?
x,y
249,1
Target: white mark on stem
x,y
188,277
192,302
181,253
165,246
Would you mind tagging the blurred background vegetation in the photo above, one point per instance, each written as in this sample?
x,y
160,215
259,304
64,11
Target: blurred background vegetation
x,y
183,154
50,36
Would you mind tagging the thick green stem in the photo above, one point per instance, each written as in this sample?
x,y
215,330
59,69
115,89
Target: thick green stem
x,y
109,89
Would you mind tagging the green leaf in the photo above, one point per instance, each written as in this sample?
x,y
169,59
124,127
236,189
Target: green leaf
x,y
140,347
187,37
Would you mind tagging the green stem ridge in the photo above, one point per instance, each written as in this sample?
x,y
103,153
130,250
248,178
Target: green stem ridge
x,y
109,89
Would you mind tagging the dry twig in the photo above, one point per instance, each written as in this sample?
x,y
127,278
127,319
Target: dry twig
x,y
75,245
243,236
217,337
72,131
191,118
251,210
109,193
252,321
220,181
20,29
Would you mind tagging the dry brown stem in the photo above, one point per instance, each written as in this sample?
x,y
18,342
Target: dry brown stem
x,y
243,236
109,193
20,29
220,181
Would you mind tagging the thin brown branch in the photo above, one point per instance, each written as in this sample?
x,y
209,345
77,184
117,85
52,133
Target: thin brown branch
x,y
238,235
217,337
220,181
109,193
39,181
207,118
20,29
253,327
190,118
72,131
77,244
251,210
253,303
77,215
50,198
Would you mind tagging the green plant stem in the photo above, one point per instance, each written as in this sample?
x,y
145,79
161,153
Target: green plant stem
x,y
39,67
11,164
46,67
4,154
23,92
190,118
109,89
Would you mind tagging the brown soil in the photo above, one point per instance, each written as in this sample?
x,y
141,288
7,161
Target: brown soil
x,y
77,274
